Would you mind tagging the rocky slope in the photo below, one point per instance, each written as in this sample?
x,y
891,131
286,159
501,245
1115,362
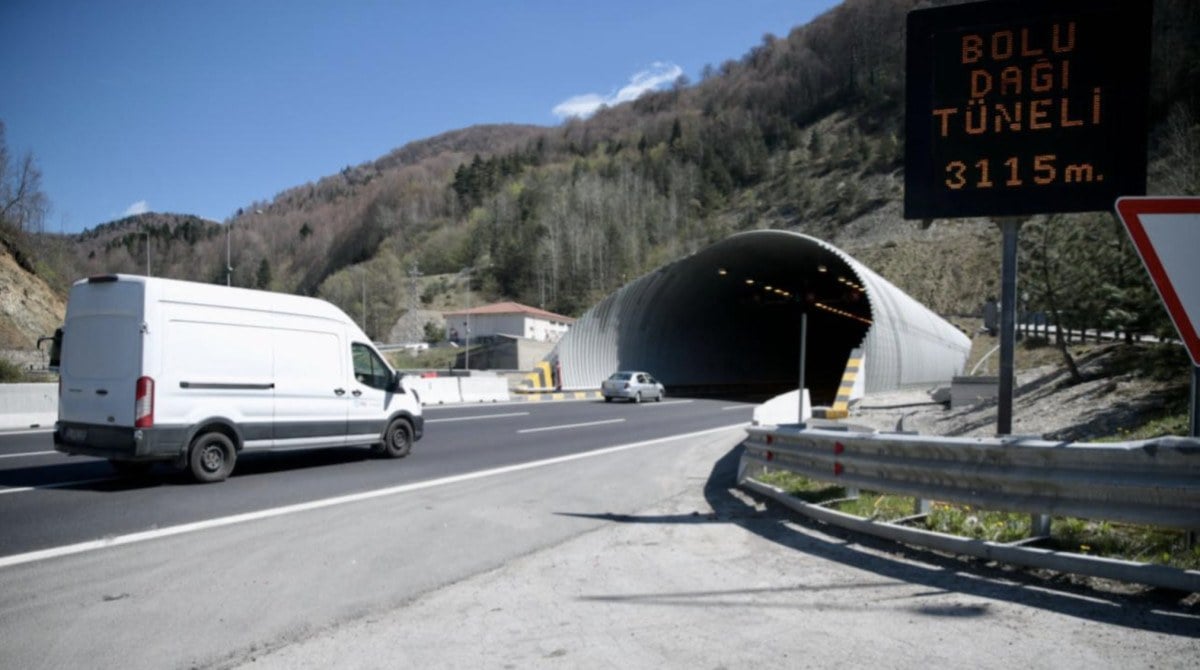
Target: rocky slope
x,y
29,309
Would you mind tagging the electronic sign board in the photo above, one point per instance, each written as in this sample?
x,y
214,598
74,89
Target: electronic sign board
x,y
1025,107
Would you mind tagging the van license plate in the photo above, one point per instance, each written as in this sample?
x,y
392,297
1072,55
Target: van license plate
x,y
76,434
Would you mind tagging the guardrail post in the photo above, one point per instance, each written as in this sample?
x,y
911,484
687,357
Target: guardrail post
x,y
1039,525
922,506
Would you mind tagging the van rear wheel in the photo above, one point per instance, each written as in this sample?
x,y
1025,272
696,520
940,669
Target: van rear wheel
x,y
398,440
212,457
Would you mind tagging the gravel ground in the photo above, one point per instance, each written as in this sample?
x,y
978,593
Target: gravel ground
x,y
712,578
1043,405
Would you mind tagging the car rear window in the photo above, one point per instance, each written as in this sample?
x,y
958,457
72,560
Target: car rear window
x,y
620,376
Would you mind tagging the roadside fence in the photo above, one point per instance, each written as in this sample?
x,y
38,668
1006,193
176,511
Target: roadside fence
x,y
1154,482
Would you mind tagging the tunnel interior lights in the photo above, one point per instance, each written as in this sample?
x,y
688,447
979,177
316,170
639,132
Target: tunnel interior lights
x,y
841,312
851,284
856,291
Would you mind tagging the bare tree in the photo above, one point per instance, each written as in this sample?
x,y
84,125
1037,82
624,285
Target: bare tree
x,y
23,206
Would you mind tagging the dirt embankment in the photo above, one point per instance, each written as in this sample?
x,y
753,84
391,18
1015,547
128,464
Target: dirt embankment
x,y
29,309
1113,398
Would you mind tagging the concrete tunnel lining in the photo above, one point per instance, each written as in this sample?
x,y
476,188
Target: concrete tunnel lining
x,y
727,320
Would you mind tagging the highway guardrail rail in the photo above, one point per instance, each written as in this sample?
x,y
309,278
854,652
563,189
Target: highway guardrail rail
x,y
1154,482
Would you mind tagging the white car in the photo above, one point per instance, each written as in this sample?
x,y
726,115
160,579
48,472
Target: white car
x,y
632,385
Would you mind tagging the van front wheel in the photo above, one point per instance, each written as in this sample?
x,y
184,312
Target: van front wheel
x,y
397,440
212,457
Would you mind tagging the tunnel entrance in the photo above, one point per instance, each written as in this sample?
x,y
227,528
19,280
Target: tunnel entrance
x,y
726,321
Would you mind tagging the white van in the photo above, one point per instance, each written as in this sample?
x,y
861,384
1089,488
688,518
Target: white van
x,y
164,370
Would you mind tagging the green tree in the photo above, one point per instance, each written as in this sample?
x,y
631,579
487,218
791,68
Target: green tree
x,y
1082,270
434,333
263,276
1050,277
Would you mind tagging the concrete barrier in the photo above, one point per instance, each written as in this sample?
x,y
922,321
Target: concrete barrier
x,y
28,405
783,409
36,405
483,389
967,391
435,390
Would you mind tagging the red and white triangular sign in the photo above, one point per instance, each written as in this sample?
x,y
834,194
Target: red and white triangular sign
x,y
1166,233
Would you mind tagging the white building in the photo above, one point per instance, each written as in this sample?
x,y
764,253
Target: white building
x,y
507,318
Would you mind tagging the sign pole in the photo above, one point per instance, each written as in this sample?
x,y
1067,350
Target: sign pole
x,y
803,353
1009,226
1192,537
1194,413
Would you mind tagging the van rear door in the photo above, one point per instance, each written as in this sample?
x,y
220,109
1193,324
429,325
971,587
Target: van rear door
x,y
102,354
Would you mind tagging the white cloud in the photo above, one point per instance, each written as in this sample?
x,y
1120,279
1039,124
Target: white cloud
x,y
139,207
653,78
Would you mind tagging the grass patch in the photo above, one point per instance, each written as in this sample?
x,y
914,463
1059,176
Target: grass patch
x,y
1168,424
441,358
965,521
808,490
1146,544
10,373
878,507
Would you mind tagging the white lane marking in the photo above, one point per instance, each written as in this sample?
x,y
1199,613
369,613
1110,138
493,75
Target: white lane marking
x,y
737,407
31,431
133,538
570,425
28,453
510,403
477,418
664,403
57,485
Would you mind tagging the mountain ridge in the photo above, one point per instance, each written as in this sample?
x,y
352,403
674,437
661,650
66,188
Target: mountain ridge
x,y
802,133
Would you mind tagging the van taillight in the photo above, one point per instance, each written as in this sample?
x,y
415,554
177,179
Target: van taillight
x,y
143,405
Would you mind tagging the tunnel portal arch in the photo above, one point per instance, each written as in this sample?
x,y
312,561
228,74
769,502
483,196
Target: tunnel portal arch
x,y
726,319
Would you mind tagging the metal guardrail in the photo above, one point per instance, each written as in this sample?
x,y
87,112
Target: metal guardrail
x,y
1154,482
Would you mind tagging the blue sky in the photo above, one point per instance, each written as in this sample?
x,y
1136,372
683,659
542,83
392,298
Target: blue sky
x,y
205,106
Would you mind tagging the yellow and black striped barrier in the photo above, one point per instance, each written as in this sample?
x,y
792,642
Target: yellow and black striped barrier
x,y
841,405
541,378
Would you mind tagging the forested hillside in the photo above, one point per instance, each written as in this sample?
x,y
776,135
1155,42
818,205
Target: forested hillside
x,y
804,132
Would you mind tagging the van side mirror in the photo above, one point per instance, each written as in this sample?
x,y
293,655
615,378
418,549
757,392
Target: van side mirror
x,y
55,348
397,377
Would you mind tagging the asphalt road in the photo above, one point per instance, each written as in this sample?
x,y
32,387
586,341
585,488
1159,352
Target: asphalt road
x,y
595,541
49,500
